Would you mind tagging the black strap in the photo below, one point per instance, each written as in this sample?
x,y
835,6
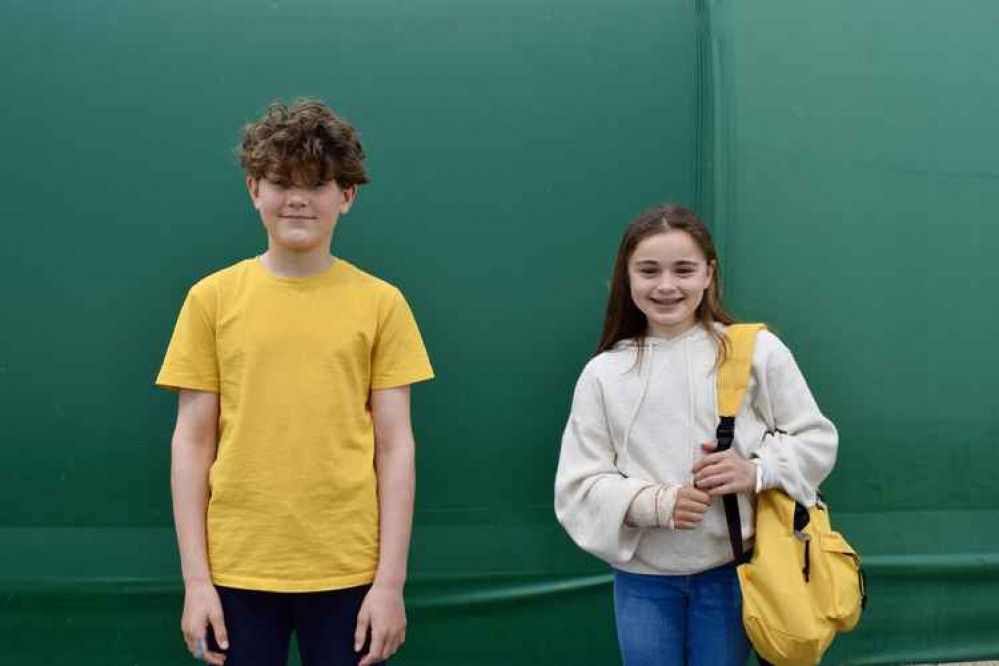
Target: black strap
x,y
863,588
724,436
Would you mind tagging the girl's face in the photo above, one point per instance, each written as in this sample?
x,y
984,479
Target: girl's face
x,y
668,275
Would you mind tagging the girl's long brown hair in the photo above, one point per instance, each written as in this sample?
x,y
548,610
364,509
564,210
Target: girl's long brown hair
x,y
623,319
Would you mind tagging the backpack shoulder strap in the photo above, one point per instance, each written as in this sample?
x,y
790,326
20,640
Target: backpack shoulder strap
x,y
733,375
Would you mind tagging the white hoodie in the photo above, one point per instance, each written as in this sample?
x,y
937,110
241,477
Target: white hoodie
x,y
635,425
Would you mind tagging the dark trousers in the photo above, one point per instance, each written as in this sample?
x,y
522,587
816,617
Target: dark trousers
x,y
260,625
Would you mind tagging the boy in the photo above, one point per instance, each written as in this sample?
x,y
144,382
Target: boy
x,y
292,457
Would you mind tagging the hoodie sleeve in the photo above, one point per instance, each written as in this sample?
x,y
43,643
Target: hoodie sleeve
x,y
591,496
799,450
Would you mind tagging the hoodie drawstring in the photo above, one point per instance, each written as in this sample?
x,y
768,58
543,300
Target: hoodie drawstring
x,y
641,398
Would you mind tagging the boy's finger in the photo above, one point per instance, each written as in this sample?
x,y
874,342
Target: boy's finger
x,y
375,649
199,649
393,647
213,658
372,656
709,446
216,658
397,642
361,632
218,628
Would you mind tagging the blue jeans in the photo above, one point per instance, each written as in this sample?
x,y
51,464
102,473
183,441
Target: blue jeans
x,y
680,620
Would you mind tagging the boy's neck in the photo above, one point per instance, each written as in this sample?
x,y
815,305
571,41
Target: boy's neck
x,y
284,263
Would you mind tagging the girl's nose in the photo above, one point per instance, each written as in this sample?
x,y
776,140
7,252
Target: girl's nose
x,y
665,285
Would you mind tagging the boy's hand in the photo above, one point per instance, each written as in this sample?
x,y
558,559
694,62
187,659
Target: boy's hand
x,y
383,613
724,473
690,506
201,607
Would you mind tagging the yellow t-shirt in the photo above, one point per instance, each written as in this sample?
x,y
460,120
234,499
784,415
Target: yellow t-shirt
x,y
293,503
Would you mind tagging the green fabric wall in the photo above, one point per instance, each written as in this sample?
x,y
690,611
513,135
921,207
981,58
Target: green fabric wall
x,y
854,179
842,152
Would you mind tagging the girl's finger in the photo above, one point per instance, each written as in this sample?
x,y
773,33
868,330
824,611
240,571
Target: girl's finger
x,y
711,480
687,517
698,507
724,489
707,461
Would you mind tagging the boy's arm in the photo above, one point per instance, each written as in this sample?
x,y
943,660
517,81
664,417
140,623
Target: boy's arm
x,y
382,611
192,454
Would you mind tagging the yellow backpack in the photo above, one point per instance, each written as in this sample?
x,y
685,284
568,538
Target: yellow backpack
x,y
802,584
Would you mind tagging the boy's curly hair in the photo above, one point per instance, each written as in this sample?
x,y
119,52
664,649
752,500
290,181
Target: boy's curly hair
x,y
305,144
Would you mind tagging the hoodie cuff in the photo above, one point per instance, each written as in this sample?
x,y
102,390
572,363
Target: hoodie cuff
x,y
764,479
642,512
666,502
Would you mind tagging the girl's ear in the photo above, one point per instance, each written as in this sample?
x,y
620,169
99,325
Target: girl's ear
x,y
711,273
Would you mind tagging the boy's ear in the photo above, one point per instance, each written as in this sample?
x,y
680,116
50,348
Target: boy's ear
x,y
253,187
349,197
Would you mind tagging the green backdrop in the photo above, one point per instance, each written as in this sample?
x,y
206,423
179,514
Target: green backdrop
x,y
854,186
841,153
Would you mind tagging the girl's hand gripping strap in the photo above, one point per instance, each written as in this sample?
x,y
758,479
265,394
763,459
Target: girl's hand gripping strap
x,y
733,377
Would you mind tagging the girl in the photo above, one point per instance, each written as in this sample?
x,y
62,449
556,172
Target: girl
x,y
638,484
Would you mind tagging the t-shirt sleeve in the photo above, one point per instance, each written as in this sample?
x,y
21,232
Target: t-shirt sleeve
x,y
191,360
398,357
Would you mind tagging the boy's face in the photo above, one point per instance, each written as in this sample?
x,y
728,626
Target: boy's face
x,y
299,219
